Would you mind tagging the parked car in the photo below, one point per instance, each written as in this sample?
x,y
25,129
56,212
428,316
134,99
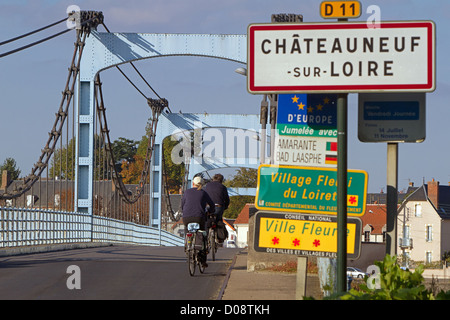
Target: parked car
x,y
229,244
356,273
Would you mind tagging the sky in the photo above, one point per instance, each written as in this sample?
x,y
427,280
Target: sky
x,y
31,81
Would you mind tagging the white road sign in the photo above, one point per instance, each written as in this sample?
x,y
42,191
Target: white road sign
x,y
306,151
341,57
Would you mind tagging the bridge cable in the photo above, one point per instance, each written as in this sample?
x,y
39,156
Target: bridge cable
x,y
90,19
32,32
151,136
142,77
117,179
33,44
85,25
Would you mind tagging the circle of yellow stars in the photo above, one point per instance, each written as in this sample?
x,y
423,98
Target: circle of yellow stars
x,y
310,109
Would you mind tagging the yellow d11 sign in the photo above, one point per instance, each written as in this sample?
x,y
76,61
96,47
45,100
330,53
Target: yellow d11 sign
x,y
304,235
340,9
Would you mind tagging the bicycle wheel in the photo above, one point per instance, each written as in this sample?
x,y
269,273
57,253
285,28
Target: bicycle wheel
x,y
191,257
212,243
201,268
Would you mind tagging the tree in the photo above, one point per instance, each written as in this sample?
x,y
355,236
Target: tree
x,y
174,172
10,165
244,178
132,171
63,162
237,203
124,150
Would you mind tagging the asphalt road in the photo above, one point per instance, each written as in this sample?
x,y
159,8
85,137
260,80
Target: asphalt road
x,y
113,272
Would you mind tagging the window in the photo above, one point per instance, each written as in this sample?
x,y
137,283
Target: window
x,y
429,257
429,233
367,236
418,210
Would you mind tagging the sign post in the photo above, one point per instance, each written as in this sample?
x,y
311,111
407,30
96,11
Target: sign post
x,y
342,192
391,118
341,58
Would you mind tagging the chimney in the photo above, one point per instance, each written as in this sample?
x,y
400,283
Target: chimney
x,y
433,192
6,179
411,184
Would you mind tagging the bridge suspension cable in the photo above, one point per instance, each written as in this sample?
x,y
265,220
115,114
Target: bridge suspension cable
x,y
157,106
32,32
89,20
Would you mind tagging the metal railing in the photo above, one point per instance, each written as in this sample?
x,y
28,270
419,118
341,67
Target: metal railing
x,y
32,227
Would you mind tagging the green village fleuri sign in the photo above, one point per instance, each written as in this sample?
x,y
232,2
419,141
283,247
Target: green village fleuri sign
x,y
308,190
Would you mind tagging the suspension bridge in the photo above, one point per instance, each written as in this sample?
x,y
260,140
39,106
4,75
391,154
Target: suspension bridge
x,y
74,192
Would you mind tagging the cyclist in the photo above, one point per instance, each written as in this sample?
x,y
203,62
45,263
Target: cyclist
x,y
194,204
219,194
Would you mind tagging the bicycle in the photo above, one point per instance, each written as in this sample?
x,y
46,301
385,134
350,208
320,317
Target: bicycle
x,y
192,249
212,236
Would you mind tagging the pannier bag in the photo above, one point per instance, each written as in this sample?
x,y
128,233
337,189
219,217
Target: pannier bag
x,y
221,230
199,240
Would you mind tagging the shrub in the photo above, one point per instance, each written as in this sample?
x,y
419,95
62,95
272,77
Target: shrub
x,y
392,283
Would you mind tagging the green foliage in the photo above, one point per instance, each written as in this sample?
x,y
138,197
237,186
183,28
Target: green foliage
x,y
394,284
174,172
10,165
237,203
244,178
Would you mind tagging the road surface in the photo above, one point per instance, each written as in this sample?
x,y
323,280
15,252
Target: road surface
x,y
113,272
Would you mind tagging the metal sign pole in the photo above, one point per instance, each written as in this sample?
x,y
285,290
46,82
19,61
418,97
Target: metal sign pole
x,y
391,198
342,110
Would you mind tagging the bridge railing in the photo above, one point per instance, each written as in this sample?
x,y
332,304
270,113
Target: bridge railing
x,y
31,227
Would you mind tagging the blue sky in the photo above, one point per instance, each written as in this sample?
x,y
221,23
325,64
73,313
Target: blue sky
x,y
31,81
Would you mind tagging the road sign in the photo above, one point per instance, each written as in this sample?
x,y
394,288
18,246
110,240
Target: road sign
x,y
306,130
391,117
341,57
306,151
307,115
340,9
308,190
304,235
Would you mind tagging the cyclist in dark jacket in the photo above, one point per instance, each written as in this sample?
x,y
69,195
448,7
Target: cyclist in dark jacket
x,y
219,194
194,205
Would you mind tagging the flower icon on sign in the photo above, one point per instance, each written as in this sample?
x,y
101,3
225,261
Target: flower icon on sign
x,y
296,242
276,240
316,243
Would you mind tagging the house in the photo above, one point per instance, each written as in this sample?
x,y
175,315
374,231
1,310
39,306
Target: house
x,y
232,235
423,224
374,223
241,226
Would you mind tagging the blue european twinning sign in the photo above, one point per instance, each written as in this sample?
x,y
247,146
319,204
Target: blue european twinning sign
x,y
311,115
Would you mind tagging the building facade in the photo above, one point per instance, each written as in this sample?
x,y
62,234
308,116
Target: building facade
x,y
423,224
